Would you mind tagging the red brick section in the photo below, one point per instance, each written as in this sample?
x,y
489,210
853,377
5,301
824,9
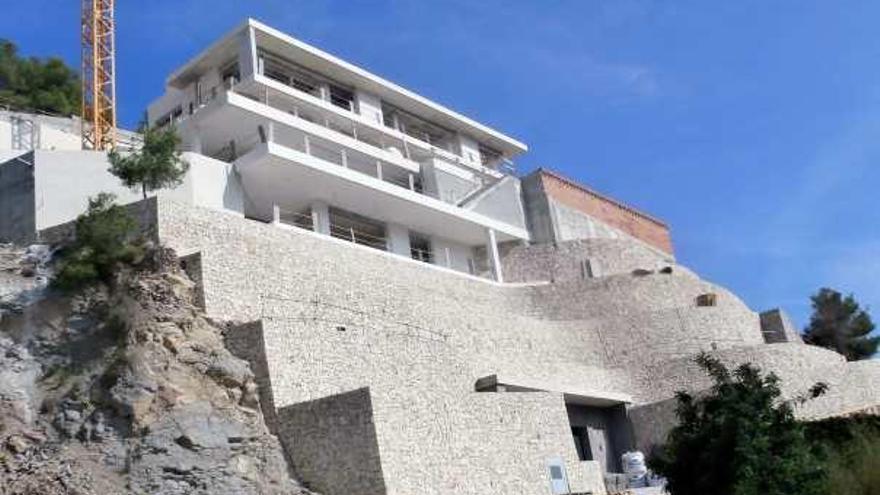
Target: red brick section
x,y
614,213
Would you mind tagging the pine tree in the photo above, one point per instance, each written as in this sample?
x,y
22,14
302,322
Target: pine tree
x,y
33,84
839,324
157,164
104,239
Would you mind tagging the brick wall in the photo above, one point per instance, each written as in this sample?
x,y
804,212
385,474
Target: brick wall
x,y
615,214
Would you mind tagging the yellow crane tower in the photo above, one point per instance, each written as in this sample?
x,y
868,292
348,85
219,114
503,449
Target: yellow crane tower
x,y
98,75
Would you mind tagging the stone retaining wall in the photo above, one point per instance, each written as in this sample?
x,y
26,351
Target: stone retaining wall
x,y
339,318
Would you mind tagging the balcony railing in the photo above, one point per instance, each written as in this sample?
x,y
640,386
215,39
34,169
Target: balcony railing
x,y
324,150
358,132
339,231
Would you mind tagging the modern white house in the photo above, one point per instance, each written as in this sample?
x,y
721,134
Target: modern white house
x,y
419,318
322,144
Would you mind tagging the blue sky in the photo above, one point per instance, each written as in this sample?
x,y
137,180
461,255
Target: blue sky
x,y
752,127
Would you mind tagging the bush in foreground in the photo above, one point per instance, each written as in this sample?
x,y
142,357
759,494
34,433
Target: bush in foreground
x,y
739,439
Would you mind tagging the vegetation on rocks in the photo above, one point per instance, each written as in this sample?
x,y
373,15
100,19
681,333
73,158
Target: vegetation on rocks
x,y
125,387
104,239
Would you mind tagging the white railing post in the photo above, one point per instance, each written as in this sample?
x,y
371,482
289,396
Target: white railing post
x,y
412,182
344,158
351,230
307,144
276,214
379,169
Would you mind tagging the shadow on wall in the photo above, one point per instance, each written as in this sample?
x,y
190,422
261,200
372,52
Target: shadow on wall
x,y
332,443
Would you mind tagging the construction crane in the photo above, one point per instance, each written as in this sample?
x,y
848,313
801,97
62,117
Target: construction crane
x,y
98,75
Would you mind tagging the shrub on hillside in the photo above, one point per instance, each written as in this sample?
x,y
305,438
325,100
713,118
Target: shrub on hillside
x,y
739,439
104,239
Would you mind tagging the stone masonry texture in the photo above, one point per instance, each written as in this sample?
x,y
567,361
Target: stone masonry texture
x,y
365,343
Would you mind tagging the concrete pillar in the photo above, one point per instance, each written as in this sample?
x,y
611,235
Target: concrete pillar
x,y
494,257
321,217
398,239
267,132
247,53
276,214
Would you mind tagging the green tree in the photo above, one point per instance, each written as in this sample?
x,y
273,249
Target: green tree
x,y
739,439
34,84
157,164
104,239
839,324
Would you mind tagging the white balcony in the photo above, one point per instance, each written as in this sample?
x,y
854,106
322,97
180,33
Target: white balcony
x,y
275,173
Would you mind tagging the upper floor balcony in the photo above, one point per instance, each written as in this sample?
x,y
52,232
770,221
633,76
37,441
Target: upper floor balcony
x,y
284,158
264,63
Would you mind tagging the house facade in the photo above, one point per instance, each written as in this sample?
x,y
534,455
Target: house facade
x,y
420,318
323,144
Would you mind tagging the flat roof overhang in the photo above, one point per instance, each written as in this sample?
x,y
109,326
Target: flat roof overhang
x,y
585,397
294,180
324,63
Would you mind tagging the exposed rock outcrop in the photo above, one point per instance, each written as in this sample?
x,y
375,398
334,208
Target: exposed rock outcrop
x,y
126,389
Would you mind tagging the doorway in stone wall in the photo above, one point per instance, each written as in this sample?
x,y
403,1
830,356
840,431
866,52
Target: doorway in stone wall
x,y
582,443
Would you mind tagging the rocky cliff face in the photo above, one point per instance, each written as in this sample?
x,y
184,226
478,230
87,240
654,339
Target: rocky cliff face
x,y
124,389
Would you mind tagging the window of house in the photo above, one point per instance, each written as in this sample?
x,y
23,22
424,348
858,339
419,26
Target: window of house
x,y
341,97
304,85
276,74
420,247
230,74
489,156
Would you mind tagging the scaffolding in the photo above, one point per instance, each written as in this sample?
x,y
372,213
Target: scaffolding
x,y
98,79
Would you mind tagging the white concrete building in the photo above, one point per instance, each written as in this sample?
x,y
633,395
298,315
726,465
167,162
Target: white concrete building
x,y
323,144
343,218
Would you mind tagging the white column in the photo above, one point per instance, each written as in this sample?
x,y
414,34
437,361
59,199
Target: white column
x,y
321,217
398,239
492,253
270,132
247,54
